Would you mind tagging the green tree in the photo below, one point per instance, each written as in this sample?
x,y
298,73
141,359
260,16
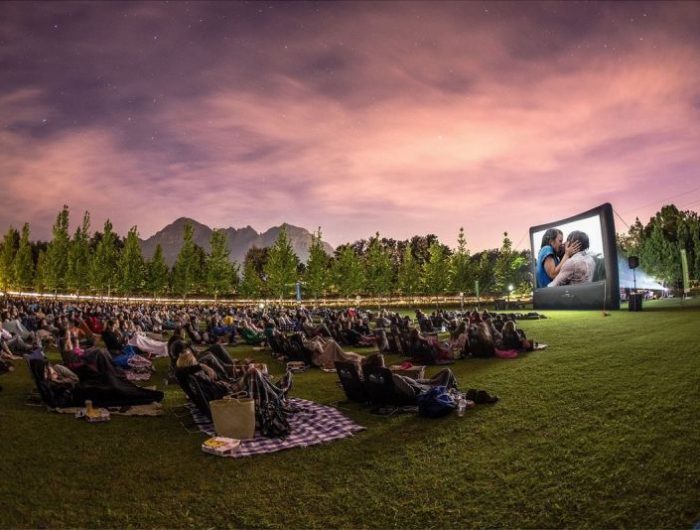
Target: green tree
x,y
347,272
221,273
40,274
316,276
200,280
485,262
103,269
258,257
506,267
10,246
461,275
661,240
378,272
157,273
132,267
436,271
78,276
23,265
57,254
251,284
421,247
187,266
409,276
281,267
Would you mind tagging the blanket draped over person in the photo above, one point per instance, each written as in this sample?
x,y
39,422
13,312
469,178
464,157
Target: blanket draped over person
x,y
157,348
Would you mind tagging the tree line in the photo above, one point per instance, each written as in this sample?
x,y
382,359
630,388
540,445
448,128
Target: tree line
x,y
659,242
103,263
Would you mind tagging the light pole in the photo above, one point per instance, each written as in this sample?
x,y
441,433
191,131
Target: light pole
x,y
461,303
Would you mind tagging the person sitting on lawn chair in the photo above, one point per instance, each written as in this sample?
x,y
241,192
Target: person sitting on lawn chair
x,y
212,376
314,331
407,388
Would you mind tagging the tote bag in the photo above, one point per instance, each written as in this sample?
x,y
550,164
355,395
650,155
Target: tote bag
x,y
234,418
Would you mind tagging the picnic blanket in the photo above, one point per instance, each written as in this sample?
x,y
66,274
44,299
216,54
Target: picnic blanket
x,y
150,409
312,424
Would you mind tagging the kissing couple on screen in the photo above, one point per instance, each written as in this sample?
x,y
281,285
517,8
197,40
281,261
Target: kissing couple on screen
x,y
564,263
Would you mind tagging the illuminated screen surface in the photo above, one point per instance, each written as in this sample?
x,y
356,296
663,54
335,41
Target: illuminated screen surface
x,y
591,226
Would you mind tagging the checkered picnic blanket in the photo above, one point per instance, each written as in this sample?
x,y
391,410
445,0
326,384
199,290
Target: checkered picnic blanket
x,y
312,424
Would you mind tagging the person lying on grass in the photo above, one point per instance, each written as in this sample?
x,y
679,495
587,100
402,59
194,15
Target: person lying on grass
x,y
351,333
481,341
514,338
323,352
249,335
428,350
218,329
314,331
459,340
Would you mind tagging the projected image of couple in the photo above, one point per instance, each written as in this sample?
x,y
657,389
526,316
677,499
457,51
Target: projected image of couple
x,y
571,260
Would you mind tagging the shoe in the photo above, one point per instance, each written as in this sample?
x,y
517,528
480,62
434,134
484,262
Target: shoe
x,y
480,397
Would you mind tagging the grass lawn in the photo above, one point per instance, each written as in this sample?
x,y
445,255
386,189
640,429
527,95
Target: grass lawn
x,y
600,430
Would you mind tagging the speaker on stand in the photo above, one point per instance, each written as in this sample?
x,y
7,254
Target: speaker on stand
x,y
635,303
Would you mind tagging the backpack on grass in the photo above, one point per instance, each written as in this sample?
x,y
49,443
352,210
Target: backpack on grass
x,y
435,403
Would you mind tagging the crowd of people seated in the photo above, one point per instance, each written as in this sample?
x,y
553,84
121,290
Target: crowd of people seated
x,y
196,338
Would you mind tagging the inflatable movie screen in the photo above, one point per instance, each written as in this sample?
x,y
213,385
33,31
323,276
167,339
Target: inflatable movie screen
x,y
575,262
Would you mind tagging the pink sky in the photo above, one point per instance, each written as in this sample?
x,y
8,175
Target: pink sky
x,y
399,118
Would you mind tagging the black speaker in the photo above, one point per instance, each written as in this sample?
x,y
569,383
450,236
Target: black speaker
x,y
633,262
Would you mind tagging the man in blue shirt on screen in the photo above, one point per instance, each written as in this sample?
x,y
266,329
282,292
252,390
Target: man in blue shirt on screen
x,y
553,254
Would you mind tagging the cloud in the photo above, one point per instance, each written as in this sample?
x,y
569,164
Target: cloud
x,y
403,118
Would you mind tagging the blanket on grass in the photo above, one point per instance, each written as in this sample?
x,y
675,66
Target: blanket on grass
x,y
151,409
313,424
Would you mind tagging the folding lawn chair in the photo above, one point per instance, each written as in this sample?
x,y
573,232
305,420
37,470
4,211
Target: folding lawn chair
x,y
352,384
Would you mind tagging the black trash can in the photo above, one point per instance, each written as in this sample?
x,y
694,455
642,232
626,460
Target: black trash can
x,y
635,303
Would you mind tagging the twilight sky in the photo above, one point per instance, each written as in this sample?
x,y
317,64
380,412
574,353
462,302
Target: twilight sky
x,y
406,118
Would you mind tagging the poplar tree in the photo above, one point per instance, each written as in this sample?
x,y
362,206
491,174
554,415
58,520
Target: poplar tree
x,y
316,276
57,253
40,274
23,265
378,271
78,276
221,273
10,246
460,266
409,277
157,273
251,284
436,270
187,267
348,273
281,266
131,270
507,264
103,269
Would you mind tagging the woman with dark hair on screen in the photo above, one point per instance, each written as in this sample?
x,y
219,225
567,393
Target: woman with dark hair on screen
x,y
553,254
581,267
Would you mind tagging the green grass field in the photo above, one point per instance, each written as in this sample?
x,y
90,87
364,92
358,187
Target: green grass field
x,y
601,430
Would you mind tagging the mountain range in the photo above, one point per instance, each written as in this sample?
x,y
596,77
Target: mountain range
x,y
240,240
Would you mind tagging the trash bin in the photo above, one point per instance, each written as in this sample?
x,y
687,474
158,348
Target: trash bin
x,y
635,303
500,305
